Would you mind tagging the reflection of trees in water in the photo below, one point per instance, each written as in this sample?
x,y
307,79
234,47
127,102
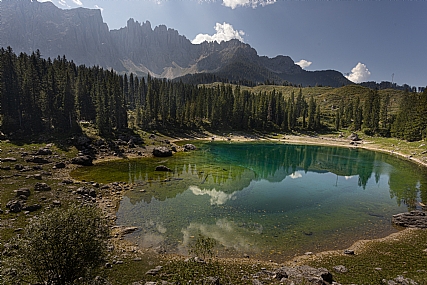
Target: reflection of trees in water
x,y
230,167
406,188
268,159
405,184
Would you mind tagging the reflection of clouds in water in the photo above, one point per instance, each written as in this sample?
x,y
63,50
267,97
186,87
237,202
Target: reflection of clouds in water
x,y
156,226
151,240
348,177
217,197
153,233
295,175
226,233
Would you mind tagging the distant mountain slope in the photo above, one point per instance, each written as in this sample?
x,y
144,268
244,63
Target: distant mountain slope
x,y
82,36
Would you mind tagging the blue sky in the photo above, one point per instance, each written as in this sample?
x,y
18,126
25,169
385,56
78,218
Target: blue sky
x,y
367,40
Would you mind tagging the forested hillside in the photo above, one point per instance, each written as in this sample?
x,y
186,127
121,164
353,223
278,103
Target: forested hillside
x,y
52,96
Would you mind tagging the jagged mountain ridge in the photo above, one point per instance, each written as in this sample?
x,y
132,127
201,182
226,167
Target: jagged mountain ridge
x,y
82,36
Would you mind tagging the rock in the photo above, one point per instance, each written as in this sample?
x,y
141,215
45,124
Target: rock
x,y
349,252
56,203
301,274
82,141
340,269
86,192
256,282
211,281
189,146
32,208
108,265
100,281
14,206
23,192
84,160
41,187
38,160
59,165
154,271
280,273
19,167
44,151
127,230
162,151
163,168
38,176
399,280
354,137
131,143
413,219
8,159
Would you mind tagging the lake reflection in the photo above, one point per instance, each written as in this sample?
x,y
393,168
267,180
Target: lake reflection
x,y
270,201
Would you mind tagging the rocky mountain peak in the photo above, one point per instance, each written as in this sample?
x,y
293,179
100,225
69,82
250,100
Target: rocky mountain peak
x,y
82,36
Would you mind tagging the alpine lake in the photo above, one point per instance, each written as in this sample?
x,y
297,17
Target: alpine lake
x,y
269,201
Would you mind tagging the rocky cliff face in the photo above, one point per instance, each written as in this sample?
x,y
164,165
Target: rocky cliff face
x,y
82,36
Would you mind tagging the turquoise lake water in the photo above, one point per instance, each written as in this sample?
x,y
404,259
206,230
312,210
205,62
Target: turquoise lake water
x,y
267,200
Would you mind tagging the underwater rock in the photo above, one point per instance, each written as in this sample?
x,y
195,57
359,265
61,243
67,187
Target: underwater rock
x,y
163,168
412,219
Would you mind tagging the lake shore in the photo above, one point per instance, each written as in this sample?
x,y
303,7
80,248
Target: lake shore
x,y
303,140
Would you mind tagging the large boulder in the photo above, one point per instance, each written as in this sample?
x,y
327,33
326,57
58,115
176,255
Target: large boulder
x,y
84,160
162,151
14,206
189,146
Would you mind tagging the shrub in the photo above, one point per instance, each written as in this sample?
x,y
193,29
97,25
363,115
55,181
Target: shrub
x,y
65,245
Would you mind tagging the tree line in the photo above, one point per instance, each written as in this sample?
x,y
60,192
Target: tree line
x,y
42,95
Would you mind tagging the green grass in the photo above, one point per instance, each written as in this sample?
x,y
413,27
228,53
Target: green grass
x,y
382,260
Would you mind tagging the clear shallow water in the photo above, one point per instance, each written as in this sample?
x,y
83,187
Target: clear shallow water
x,y
271,201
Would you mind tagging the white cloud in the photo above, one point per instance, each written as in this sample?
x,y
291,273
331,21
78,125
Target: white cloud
x,y
359,73
295,175
217,197
78,2
303,63
224,32
254,3
226,233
